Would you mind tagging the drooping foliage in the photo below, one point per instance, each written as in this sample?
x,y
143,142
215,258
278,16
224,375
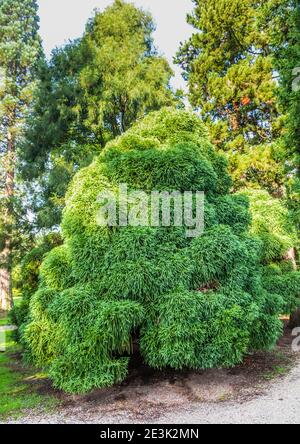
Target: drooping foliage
x,y
192,302
27,281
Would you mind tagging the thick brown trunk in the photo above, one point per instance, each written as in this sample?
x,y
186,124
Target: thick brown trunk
x,y
5,254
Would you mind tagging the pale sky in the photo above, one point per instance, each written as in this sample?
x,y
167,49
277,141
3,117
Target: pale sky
x,y
62,20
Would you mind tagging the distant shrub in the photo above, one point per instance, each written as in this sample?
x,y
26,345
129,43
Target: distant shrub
x,y
271,223
29,277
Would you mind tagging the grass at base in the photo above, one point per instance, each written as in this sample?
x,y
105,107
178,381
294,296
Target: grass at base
x,y
16,391
14,396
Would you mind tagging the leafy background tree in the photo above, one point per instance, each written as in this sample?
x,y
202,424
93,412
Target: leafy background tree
x,y
228,65
284,20
92,90
20,52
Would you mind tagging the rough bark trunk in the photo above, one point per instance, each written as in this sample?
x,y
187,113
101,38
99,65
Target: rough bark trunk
x,y
5,255
5,280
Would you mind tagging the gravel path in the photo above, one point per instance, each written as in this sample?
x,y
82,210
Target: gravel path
x,y
280,405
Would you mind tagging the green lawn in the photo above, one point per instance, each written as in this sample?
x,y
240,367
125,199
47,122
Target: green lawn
x,y
14,394
3,322
18,384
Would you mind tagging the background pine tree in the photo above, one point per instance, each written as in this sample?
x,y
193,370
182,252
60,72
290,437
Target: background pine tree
x,y
228,65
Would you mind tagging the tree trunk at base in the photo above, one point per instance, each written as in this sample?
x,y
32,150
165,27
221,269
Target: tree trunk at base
x,y
5,279
295,319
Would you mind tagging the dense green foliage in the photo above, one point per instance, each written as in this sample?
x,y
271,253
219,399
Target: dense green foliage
x,y
92,90
192,302
92,293
284,16
285,36
272,224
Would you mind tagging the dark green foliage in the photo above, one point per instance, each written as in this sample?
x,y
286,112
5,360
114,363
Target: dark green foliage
x,y
182,167
233,210
205,330
284,17
187,128
214,255
268,327
285,282
193,302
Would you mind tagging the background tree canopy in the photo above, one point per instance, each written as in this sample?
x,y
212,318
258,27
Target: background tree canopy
x,y
92,90
228,63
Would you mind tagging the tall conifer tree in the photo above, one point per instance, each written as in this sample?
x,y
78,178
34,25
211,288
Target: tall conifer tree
x,y
20,51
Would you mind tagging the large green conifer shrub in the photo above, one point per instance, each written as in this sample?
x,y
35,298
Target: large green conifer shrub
x,y
191,302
